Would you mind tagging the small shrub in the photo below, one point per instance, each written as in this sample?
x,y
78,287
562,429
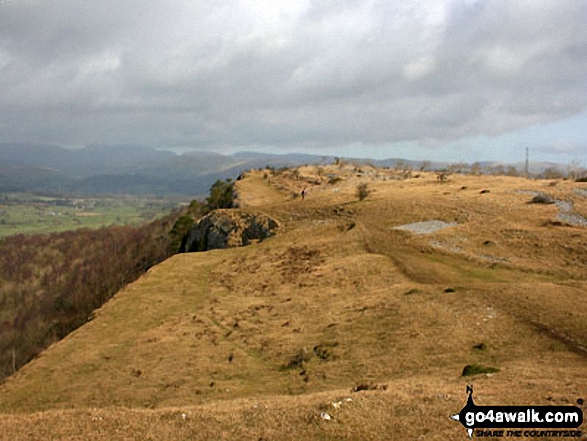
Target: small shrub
x,y
476,369
297,360
363,191
324,351
340,162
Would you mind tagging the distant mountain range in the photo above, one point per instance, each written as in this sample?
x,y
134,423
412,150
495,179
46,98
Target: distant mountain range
x,y
128,169
139,170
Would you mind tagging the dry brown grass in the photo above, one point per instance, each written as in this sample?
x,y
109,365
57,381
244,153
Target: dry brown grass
x,y
253,343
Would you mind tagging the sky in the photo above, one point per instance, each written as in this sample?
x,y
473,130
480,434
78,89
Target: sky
x,y
456,80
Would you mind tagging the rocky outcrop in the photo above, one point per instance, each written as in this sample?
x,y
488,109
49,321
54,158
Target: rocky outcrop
x,y
228,229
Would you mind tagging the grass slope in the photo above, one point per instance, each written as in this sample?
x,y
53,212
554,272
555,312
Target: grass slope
x,y
256,342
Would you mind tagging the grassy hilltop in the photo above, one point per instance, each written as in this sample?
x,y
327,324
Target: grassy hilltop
x,y
256,342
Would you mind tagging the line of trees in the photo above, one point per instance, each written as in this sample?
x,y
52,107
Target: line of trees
x,y
574,171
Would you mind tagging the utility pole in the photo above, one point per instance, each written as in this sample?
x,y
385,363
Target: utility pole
x,y
526,169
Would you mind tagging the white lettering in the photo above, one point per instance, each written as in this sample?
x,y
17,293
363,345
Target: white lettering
x,y
510,417
470,418
536,417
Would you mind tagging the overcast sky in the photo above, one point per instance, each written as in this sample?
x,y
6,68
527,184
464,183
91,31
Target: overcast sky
x,y
440,79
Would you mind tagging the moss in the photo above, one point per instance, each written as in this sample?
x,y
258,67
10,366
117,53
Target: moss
x,y
476,369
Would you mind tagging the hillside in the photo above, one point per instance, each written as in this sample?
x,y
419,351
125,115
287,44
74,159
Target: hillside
x,y
256,342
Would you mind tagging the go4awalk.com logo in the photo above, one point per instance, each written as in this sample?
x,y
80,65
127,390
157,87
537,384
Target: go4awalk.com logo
x,y
519,421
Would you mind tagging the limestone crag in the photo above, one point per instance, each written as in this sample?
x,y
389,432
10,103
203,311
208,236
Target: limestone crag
x,y
229,228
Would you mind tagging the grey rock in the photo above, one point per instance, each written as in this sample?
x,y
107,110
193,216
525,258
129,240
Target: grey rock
x,y
542,198
229,228
425,227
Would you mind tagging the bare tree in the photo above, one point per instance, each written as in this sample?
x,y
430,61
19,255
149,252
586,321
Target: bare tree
x,y
511,170
457,168
498,170
475,169
574,169
551,173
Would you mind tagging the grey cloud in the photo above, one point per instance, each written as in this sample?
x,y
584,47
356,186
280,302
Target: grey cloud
x,y
319,73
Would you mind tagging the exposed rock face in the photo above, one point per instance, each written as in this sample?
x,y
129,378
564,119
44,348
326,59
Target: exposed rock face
x,y
229,228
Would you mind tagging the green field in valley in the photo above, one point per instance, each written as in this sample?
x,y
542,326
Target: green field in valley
x,y
31,214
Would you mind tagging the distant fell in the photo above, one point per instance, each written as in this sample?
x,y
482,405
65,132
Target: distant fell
x,y
140,170
128,169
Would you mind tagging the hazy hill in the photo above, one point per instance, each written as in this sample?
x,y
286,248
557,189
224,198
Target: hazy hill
x,y
139,170
261,342
27,177
126,169
88,161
